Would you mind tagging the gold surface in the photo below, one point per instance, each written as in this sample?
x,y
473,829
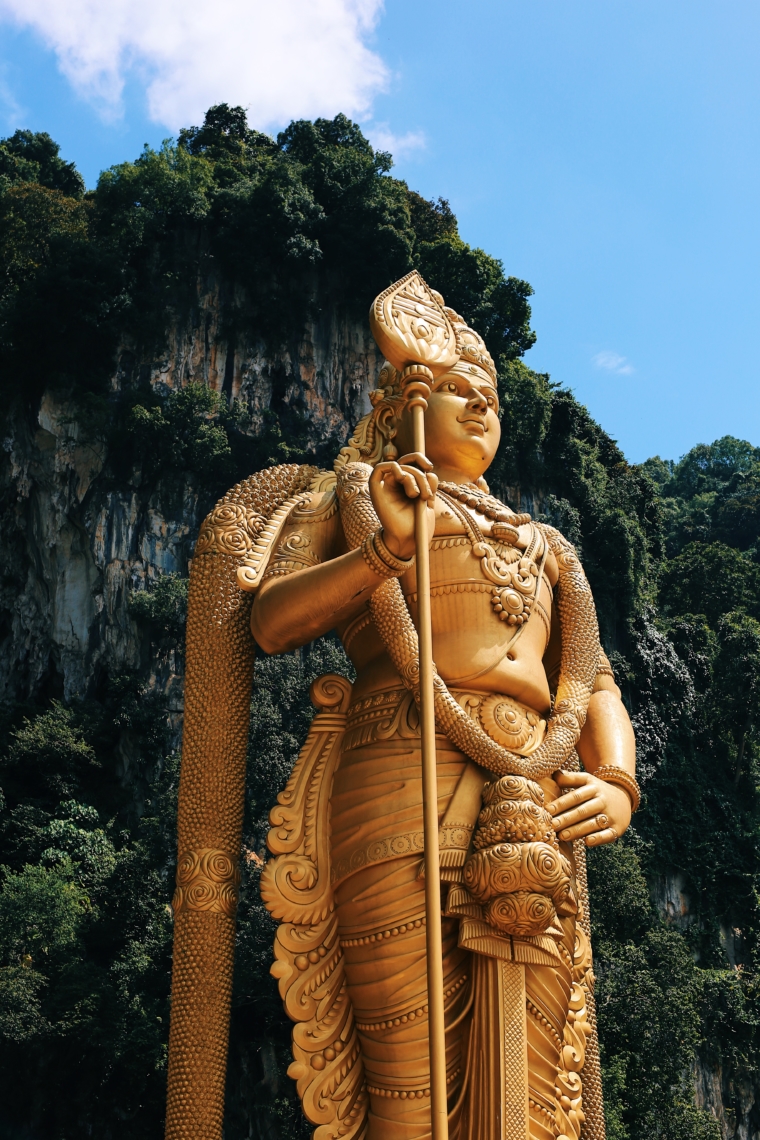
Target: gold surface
x,y
521,684
207,880
514,1029
217,697
309,959
411,327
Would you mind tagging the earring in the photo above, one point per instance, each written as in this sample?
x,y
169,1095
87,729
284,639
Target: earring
x,y
390,451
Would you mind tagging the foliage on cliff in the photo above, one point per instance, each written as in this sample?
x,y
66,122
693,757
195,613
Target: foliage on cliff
x,y
312,214
86,820
84,925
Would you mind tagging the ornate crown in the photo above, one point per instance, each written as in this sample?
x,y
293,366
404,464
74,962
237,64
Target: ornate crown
x,y
411,323
470,345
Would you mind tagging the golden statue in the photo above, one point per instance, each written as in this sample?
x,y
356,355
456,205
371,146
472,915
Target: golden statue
x,y
429,849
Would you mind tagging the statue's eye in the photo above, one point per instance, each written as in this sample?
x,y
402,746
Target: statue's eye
x,y
450,387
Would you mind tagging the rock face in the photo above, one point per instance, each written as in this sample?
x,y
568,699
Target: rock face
x,y
732,1102
730,1099
326,375
75,544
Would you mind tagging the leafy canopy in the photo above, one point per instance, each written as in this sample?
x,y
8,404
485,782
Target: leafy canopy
x,y
312,219
29,156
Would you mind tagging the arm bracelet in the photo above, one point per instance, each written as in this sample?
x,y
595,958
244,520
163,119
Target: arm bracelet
x,y
379,558
611,774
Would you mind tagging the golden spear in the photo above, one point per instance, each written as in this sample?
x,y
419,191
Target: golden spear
x,y
411,328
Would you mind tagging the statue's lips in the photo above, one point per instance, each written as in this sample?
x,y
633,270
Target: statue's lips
x,y
477,422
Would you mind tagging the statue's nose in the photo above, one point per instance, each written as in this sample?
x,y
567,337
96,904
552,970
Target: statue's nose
x,y
477,402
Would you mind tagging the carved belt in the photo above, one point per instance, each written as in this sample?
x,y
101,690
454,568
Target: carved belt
x,y
392,714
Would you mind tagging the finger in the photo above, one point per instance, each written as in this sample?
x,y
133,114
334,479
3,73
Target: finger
x,y
388,469
577,831
414,482
572,799
599,822
422,487
410,482
572,779
406,477
587,810
609,835
433,481
416,458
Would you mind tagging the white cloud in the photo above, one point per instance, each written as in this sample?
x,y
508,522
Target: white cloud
x,y
401,146
612,362
281,59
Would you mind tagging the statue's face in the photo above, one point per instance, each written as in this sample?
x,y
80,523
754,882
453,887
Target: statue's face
x,y
462,429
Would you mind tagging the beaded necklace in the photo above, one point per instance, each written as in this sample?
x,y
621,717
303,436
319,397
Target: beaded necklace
x,y
472,496
514,588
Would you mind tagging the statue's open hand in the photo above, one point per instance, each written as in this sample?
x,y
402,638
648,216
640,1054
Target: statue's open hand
x,y
394,487
590,809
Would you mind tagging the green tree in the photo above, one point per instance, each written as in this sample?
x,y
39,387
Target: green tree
x,y
474,284
57,279
736,510
29,156
365,233
711,579
48,754
226,140
708,467
737,679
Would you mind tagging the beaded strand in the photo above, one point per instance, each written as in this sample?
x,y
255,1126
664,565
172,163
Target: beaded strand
x,y
472,496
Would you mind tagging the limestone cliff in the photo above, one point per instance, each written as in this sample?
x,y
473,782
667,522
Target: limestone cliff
x,y
75,544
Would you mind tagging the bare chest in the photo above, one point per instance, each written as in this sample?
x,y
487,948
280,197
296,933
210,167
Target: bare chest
x,y
504,565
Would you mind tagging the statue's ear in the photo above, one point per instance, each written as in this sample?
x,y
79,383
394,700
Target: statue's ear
x,y
385,422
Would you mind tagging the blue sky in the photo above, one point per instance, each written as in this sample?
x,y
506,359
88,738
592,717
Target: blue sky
x,y
607,152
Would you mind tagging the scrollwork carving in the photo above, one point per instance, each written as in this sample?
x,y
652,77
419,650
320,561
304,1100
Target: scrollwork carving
x,y
229,529
296,889
409,324
569,1087
292,554
207,880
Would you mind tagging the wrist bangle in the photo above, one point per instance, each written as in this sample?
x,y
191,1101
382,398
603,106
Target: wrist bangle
x,y
373,560
611,774
379,558
399,565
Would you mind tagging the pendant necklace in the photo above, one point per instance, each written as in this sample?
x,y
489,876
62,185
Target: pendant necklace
x,y
506,521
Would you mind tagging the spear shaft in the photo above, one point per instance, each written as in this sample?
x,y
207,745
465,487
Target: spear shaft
x,y
417,391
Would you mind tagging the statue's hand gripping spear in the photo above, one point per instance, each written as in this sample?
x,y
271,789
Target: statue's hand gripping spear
x,y
416,335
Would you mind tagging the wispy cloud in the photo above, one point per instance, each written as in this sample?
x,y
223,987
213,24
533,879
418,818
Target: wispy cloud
x,y
284,59
401,146
613,362
11,111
